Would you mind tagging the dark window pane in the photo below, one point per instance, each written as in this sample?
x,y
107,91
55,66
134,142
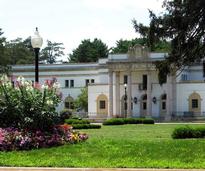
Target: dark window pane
x,y
125,79
144,106
194,103
92,81
86,82
163,105
102,104
66,83
71,83
144,82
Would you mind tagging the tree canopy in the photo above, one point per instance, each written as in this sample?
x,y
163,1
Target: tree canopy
x,y
51,52
182,22
122,46
19,52
89,51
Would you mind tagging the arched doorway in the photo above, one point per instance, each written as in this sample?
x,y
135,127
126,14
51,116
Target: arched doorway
x,y
143,105
69,102
124,107
102,104
195,103
163,105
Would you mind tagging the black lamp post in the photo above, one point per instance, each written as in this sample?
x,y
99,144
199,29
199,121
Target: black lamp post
x,y
125,100
36,42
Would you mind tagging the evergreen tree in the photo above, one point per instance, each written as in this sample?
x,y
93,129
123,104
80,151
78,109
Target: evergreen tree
x,y
182,22
89,51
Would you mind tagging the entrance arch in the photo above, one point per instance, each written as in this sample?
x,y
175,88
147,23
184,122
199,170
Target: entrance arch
x,y
195,103
102,104
143,105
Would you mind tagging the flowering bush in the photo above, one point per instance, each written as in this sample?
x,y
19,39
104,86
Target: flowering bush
x,y
27,106
14,139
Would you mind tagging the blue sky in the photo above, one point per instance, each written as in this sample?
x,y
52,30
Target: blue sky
x,y
70,21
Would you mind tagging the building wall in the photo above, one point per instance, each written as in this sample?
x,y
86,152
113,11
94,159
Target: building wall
x,y
184,90
93,92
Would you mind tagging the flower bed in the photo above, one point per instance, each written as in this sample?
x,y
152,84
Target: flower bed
x,y
15,139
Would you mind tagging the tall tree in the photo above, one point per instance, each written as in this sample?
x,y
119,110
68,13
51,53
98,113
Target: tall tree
x,y
89,51
122,46
3,60
51,52
182,22
18,52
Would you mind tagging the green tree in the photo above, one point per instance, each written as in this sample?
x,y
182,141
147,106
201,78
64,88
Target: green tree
x,y
17,52
122,46
51,52
3,59
182,22
82,100
89,51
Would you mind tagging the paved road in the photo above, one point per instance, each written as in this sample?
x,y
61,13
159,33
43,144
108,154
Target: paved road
x,y
87,169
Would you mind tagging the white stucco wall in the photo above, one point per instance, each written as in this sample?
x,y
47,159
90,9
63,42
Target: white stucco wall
x,y
184,90
94,91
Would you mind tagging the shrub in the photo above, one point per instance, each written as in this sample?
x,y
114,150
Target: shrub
x,y
86,126
114,121
133,120
28,106
188,132
65,114
76,121
15,139
122,121
148,121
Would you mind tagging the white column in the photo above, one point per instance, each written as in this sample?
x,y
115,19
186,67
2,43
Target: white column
x,y
110,102
171,95
149,95
117,93
129,94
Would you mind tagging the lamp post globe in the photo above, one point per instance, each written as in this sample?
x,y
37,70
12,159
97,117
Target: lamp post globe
x,y
36,42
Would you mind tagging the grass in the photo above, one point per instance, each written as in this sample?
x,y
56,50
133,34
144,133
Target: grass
x,y
132,146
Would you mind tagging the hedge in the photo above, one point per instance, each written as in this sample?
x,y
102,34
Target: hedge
x,y
86,126
122,121
114,121
188,132
76,121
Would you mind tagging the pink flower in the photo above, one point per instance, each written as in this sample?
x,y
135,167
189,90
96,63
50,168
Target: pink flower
x,y
37,86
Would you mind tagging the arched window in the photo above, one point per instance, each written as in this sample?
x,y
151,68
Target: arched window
x,y
102,104
69,102
195,103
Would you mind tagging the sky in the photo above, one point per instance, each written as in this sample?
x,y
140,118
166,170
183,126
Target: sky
x,y
71,21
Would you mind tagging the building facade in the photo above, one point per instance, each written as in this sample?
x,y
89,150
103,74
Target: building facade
x,y
126,85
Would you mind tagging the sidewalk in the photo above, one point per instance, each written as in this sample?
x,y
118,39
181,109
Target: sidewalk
x,y
87,169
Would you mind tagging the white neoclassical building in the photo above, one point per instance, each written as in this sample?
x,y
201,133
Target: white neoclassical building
x,y
126,85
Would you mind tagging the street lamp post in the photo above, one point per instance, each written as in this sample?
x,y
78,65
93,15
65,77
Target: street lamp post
x,y
36,42
125,100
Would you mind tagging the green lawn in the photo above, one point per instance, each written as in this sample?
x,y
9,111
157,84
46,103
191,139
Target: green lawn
x,y
142,146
